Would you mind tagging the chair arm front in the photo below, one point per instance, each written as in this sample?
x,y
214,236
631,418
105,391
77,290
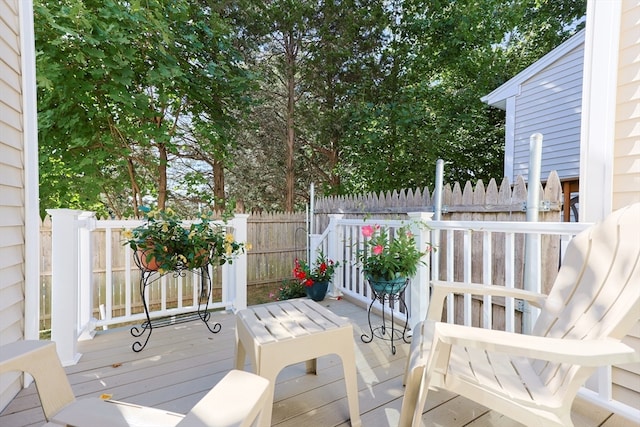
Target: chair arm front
x,y
441,289
560,350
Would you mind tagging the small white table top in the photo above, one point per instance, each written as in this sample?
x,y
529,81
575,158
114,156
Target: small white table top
x,y
289,319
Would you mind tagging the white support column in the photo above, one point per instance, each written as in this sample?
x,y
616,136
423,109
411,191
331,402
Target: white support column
x,y
238,278
87,323
334,241
532,263
599,103
64,283
419,286
31,206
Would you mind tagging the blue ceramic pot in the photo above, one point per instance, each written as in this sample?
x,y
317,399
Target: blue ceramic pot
x,y
317,291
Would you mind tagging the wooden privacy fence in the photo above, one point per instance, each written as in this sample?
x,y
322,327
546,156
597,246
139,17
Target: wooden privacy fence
x,y
276,239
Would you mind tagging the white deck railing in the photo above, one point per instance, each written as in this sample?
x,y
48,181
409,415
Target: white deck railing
x,y
74,302
342,242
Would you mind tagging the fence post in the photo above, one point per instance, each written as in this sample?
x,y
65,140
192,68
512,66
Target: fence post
x,y
234,276
419,286
334,241
65,283
86,321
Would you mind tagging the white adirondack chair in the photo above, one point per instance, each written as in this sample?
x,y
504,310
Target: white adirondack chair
x,y
534,379
236,401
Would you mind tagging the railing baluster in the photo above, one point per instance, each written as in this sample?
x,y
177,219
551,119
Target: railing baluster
x,y
509,280
487,265
450,275
467,260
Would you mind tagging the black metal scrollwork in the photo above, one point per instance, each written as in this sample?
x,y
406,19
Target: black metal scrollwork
x,y
147,278
389,293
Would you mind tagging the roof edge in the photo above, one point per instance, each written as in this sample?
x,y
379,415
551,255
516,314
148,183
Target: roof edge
x,y
497,98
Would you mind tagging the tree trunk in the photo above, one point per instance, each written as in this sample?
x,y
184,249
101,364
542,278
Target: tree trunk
x,y
135,189
218,184
290,133
162,177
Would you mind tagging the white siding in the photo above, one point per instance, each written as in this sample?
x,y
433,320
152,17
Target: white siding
x,y
12,189
550,103
626,166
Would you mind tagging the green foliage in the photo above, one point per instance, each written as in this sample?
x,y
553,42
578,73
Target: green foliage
x,y
372,92
387,256
442,58
321,270
173,245
119,83
289,289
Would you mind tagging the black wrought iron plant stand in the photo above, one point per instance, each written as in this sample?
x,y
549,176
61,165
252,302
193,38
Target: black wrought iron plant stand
x,y
147,278
389,294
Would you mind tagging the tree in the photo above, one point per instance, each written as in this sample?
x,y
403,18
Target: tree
x,y
311,57
443,57
121,85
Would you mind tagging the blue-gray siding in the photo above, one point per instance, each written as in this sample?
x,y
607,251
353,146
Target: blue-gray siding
x,y
550,103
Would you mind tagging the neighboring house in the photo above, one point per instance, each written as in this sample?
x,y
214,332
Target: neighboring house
x,y
19,222
545,98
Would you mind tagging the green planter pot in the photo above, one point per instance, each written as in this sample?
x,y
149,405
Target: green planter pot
x,y
317,291
390,287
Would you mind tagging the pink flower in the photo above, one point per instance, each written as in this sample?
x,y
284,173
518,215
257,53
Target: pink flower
x,y
378,249
367,231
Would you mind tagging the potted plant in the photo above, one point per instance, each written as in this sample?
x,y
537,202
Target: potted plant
x,y
389,261
165,243
315,278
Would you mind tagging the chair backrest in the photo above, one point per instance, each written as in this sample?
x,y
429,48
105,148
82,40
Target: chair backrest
x,y
596,294
40,360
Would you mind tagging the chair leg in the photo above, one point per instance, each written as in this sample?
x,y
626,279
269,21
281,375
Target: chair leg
x,y
411,400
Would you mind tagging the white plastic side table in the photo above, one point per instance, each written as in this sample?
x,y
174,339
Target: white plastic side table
x,y
292,331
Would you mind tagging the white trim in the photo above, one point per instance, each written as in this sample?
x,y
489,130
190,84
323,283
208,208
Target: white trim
x,y
510,138
512,86
597,131
626,411
30,147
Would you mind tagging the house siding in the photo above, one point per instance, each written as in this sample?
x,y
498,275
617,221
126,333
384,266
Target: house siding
x,y
626,166
12,190
550,103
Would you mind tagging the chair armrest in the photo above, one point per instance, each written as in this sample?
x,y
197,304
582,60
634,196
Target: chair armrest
x,y
441,289
560,350
235,401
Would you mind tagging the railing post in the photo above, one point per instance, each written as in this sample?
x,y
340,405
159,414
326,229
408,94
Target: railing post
x,y
334,241
87,323
64,283
234,276
419,286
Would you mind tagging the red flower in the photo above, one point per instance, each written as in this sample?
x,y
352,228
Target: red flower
x,y
321,271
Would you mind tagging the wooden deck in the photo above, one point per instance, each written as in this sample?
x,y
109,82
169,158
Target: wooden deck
x,y
182,362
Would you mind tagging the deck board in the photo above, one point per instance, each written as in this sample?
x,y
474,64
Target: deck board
x,y
182,362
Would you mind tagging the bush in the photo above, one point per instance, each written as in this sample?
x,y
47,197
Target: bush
x,y
290,288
